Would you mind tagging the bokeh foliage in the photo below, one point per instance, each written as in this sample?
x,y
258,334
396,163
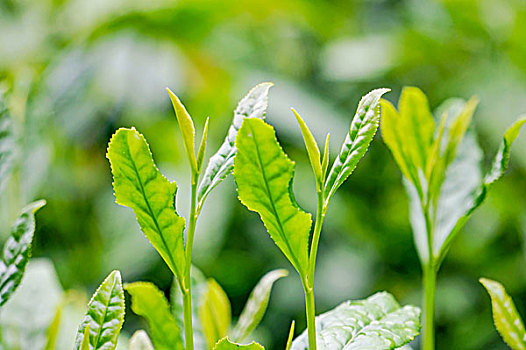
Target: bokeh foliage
x,y
76,70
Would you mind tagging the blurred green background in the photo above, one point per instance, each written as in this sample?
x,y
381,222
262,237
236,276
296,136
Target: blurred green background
x,y
76,70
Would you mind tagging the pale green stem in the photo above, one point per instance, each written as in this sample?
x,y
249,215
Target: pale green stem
x,y
311,316
429,284
187,290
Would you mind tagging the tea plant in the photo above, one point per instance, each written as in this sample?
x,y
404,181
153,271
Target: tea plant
x,y
440,164
138,184
264,174
505,316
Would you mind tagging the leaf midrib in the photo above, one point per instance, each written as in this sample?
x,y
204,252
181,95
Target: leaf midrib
x,y
148,204
99,333
282,231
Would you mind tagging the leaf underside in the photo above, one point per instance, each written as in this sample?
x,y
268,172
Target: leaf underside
x,y
7,144
17,251
139,185
105,315
150,303
263,174
253,105
505,316
361,133
377,322
225,344
140,341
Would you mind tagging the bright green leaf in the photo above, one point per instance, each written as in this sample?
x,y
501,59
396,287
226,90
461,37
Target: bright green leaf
x,y
225,344
263,174
325,161
256,305
312,150
140,341
17,251
7,144
291,335
85,340
105,315
214,313
187,128
253,105
507,320
138,184
52,331
377,322
361,133
202,147
149,302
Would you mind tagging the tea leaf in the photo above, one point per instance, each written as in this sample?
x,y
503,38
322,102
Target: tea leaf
x,y
253,105
139,185
291,335
140,341
17,251
85,340
256,305
105,315
202,147
53,329
507,320
312,150
361,133
149,302
325,161
214,313
263,174
377,322
225,344
7,144
187,128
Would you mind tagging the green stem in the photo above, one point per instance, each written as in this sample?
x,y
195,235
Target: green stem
x,y
187,290
311,316
429,284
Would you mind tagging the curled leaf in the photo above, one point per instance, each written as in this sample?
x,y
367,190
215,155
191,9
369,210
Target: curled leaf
x,y
214,313
312,150
253,105
186,125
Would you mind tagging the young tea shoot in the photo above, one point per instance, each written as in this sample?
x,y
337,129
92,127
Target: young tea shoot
x,y
264,174
440,163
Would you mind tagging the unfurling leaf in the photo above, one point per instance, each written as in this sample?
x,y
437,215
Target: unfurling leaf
x,y
253,105
202,147
149,302
256,305
214,313
7,144
505,316
225,344
140,341
312,150
105,315
263,174
361,133
325,161
377,322
17,251
186,125
139,185
85,340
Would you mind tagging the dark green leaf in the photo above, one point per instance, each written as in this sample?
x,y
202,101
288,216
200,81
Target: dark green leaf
x,y
138,184
17,251
253,105
149,302
264,175
361,133
105,315
377,322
